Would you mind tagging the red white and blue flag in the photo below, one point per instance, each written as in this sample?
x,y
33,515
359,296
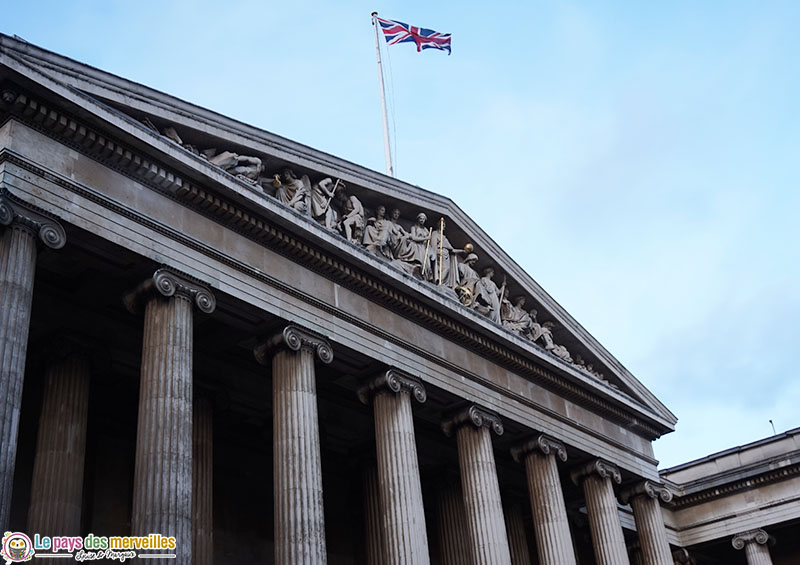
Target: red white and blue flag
x,y
398,32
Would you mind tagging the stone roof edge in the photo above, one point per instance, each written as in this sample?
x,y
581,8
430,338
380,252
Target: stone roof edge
x,y
91,78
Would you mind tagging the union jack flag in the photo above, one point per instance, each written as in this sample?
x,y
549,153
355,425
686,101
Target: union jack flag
x,y
398,32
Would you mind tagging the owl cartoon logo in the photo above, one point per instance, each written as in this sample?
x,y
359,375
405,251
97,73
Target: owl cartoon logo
x,y
17,547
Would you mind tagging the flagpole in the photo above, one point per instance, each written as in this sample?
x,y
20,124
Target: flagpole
x,y
386,149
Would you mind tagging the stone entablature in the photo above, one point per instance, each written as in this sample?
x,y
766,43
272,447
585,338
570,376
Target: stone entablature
x,y
260,228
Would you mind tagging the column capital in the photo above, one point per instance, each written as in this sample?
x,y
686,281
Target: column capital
x,y
758,536
603,469
14,211
168,282
645,488
681,555
539,444
393,380
294,338
475,415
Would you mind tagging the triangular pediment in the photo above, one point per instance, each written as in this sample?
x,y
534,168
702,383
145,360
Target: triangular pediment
x,y
444,268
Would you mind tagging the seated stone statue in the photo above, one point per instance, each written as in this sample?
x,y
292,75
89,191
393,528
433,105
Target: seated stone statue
x,y
291,191
514,317
351,224
377,234
558,350
409,248
487,296
468,279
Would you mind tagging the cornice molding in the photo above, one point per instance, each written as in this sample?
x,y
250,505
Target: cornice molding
x,y
720,491
205,201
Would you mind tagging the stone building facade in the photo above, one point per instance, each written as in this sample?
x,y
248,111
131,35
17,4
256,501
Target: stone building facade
x,y
214,333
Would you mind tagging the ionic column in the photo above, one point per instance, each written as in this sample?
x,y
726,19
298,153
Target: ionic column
x,y
680,556
601,506
484,509
405,538
162,485
373,521
297,468
517,540
644,498
202,482
57,482
550,522
21,226
452,526
755,545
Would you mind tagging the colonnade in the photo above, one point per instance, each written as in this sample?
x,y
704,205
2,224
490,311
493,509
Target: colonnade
x,y
174,447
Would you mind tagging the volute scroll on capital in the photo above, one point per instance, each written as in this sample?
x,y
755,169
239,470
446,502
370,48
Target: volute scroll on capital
x,y
294,338
476,416
758,536
168,282
395,381
540,444
13,211
646,488
598,467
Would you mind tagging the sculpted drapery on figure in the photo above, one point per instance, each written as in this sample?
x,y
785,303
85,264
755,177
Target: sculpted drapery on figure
x,y
322,193
291,191
424,253
377,234
351,225
409,247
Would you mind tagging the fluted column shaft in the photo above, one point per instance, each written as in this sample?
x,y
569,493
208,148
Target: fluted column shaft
x,y
202,483
756,546
601,506
372,517
405,539
297,464
517,540
484,509
57,482
404,534
162,483
162,491
17,267
757,554
299,514
452,526
650,527
550,523
21,224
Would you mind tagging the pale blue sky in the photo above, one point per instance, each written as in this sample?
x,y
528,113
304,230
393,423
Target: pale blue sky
x,y
640,160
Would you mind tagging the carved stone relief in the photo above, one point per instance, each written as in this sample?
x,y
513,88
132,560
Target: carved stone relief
x,y
421,251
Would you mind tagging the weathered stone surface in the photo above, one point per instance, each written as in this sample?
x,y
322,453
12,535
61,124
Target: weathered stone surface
x,y
484,508
601,506
452,526
550,522
297,468
203,482
643,498
20,225
404,535
57,484
517,540
756,546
